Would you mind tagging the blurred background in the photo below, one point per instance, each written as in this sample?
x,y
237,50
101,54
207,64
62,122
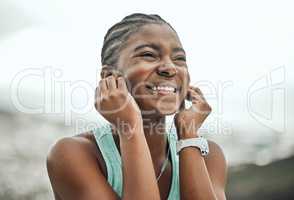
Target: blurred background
x,y
239,53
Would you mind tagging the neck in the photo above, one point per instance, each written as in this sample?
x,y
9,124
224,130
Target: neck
x,y
155,134
154,130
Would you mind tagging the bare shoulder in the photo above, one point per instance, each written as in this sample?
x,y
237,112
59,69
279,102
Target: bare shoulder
x,y
216,164
73,167
216,153
77,148
71,147
67,154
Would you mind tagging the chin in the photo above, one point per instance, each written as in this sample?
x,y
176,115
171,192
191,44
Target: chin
x,y
151,107
153,110
166,111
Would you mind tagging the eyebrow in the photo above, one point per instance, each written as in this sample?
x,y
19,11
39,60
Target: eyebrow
x,y
179,49
156,47
152,46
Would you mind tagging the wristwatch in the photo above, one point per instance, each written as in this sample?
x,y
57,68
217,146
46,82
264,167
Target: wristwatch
x,y
199,142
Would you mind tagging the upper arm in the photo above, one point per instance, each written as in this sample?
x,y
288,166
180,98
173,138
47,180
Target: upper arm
x,y
74,172
217,168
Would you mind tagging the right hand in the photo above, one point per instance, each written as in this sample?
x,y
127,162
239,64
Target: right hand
x,y
114,102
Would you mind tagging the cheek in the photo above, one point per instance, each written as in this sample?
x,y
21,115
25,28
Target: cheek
x,y
138,74
185,76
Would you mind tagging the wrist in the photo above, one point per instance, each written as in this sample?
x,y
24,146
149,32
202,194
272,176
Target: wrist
x,y
187,131
200,143
185,134
129,131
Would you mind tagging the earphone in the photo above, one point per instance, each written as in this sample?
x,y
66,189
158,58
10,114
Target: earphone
x,y
188,104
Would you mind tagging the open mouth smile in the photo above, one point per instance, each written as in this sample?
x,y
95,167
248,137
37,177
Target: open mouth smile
x,y
163,88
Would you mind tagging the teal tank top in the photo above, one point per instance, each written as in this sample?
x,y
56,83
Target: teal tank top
x,y
111,156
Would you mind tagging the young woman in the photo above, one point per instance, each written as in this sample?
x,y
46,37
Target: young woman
x,y
144,78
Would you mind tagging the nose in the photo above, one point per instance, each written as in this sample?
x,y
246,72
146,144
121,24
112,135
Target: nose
x,y
167,70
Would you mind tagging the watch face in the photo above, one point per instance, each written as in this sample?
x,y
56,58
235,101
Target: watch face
x,y
204,147
204,152
201,143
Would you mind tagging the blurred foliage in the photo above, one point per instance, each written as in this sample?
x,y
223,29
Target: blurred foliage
x,y
271,182
25,141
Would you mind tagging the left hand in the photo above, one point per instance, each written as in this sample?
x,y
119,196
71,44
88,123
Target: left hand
x,y
188,121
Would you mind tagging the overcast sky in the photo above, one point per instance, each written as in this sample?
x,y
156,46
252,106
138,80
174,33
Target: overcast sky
x,y
244,47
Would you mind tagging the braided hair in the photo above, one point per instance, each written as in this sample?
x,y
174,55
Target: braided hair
x,y
119,33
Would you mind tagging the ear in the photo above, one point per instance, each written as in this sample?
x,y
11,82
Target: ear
x,y
107,70
182,106
188,96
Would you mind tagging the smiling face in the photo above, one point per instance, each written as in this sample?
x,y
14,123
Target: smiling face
x,y
154,64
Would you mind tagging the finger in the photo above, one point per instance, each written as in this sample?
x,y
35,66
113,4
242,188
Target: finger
x,y
196,102
121,84
182,106
193,95
194,107
111,83
97,92
97,98
199,92
197,96
188,96
103,87
117,73
106,71
196,89
200,107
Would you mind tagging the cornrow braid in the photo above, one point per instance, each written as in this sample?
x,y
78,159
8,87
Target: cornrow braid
x,y
121,31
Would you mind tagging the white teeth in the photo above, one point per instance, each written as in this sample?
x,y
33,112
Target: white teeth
x,y
165,88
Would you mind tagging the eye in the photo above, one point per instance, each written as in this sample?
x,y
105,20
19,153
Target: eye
x,y
181,58
148,54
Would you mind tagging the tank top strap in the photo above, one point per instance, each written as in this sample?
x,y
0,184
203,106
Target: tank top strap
x,y
111,156
175,185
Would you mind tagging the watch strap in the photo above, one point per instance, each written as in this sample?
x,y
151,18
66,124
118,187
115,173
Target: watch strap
x,y
199,142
